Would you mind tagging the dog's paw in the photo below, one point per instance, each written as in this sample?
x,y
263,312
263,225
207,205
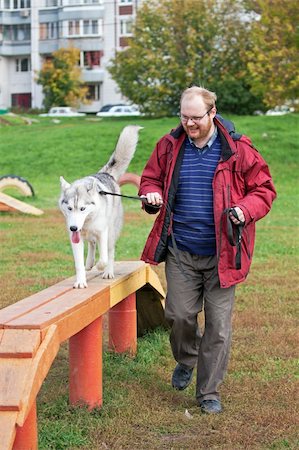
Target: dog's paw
x,y
80,285
89,266
108,274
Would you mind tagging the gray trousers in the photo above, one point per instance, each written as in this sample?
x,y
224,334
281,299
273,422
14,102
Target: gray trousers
x,y
188,293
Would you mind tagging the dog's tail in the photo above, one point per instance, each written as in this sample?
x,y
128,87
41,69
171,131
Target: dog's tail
x,y
123,153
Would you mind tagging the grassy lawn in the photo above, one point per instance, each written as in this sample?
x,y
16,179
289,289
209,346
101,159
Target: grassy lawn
x,y
140,409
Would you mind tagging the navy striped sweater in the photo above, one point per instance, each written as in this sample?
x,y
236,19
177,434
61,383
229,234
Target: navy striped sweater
x,y
193,218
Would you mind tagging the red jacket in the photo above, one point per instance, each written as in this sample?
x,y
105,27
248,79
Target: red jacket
x,y
242,178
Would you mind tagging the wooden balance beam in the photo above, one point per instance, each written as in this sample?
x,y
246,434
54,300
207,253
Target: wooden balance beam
x,y
32,330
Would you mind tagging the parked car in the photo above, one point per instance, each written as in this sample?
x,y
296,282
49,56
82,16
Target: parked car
x,y
279,111
120,111
62,111
106,108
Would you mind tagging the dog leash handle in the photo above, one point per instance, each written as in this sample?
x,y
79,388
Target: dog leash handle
x,y
234,213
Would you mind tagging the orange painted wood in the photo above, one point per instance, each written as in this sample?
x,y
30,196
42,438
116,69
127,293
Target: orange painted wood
x,y
19,343
85,350
5,208
7,429
123,326
130,178
38,371
26,436
13,376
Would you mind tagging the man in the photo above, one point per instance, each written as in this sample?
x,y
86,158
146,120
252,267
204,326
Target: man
x,y
210,186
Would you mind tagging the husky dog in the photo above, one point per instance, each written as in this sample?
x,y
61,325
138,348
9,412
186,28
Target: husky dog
x,y
90,215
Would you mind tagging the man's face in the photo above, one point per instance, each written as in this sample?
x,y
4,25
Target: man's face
x,y
202,127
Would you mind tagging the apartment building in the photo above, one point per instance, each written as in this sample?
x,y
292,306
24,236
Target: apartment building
x,y
30,30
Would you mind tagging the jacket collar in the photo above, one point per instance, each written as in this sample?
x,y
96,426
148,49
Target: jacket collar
x,y
228,147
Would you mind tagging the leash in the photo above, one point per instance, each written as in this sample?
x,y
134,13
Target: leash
x,y
132,197
234,234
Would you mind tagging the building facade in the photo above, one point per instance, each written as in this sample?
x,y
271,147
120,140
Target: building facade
x,y
30,30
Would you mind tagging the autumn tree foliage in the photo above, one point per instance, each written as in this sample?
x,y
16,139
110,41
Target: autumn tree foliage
x,y
60,77
179,43
273,60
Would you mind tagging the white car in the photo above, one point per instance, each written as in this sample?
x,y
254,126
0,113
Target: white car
x,y
279,111
120,111
62,111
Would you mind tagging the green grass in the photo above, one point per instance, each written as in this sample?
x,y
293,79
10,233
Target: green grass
x,y
140,409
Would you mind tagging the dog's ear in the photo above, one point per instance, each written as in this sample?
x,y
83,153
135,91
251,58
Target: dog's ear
x,y
64,184
92,187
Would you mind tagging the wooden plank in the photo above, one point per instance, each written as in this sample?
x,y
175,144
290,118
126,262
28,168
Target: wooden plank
x,y
34,301
17,205
46,296
19,343
61,307
153,279
38,371
7,429
129,282
44,314
13,375
80,318
38,299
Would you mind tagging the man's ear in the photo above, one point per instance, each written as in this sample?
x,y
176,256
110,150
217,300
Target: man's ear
x,y
213,112
64,184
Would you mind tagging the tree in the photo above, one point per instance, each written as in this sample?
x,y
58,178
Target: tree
x,y
273,60
178,43
60,77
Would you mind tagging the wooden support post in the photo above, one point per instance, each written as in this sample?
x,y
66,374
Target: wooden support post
x,y
85,354
26,436
123,326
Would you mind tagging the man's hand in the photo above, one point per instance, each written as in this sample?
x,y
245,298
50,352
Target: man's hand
x,y
153,198
240,215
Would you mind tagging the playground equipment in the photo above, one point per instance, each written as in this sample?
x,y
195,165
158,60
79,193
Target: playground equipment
x,y
8,203
32,330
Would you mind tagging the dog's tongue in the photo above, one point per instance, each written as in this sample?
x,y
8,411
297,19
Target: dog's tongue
x,y
75,237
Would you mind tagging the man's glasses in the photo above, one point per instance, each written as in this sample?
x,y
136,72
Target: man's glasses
x,y
195,119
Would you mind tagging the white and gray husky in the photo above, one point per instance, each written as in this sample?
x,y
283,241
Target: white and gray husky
x,y
95,217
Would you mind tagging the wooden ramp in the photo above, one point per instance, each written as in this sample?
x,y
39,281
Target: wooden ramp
x,y
32,330
8,203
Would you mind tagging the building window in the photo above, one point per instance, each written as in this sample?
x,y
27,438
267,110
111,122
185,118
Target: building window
x,y
74,28
84,28
91,27
93,93
51,3
22,65
16,4
126,27
92,58
16,32
48,30
81,2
